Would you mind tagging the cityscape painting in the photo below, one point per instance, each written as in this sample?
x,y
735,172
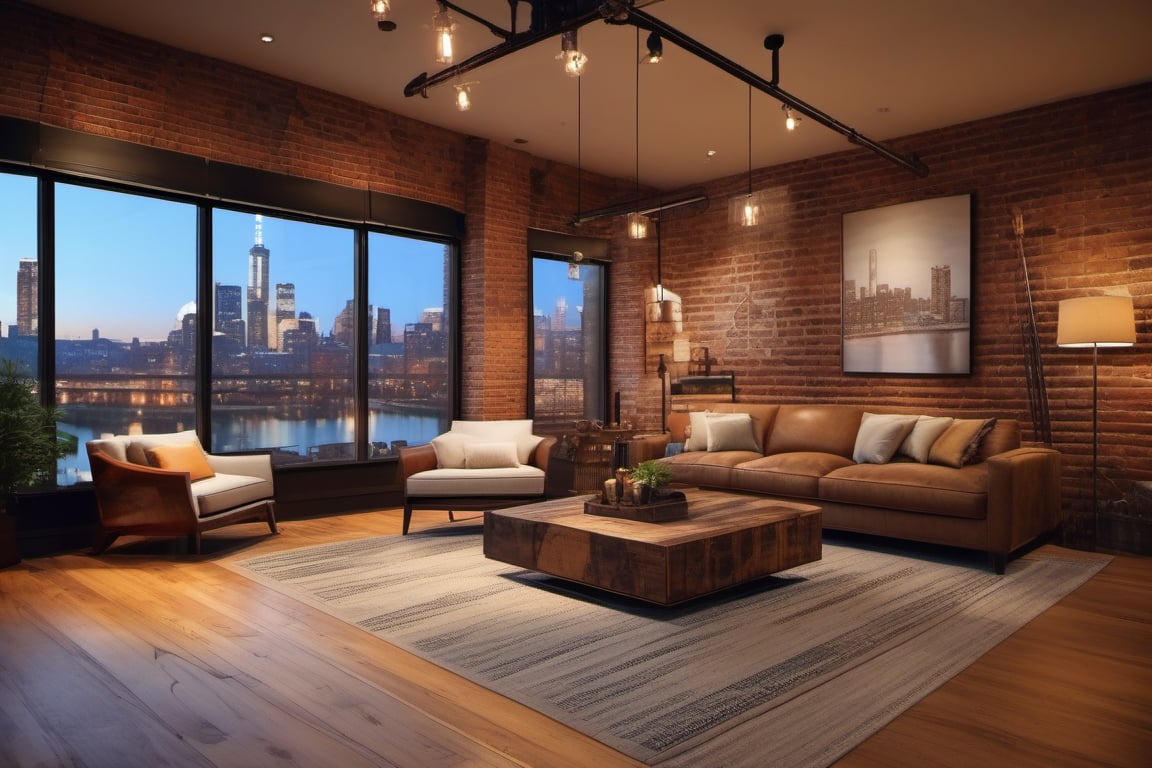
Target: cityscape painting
x,y
907,288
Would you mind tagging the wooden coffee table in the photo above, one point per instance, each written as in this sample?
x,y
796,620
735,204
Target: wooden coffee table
x,y
727,539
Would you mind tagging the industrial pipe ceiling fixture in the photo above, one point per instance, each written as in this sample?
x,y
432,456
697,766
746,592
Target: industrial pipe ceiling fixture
x,y
558,17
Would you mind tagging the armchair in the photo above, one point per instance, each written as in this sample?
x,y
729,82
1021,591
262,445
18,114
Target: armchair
x,y
166,485
475,466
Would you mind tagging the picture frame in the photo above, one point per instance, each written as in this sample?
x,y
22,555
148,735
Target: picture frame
x,y
906,288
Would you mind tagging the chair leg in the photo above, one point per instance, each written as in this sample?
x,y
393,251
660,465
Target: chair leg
x,y
103,541
451,516
407,519
272,517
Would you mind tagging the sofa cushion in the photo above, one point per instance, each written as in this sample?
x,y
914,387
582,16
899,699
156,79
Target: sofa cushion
x,y
924,433
815,428
518,431
788,474
221,492
188,457
911,487
490,455
879,436
960,442
706,469
506,481
731,432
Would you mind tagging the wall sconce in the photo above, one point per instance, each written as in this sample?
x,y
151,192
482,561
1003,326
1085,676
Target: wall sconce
x,y
571,56
790,120
443,25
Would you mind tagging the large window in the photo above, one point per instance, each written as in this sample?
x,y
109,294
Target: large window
x,y
283,345
125,315
568,360
409,355
19,308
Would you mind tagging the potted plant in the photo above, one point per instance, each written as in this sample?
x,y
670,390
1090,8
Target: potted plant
x,y
29,446
649,479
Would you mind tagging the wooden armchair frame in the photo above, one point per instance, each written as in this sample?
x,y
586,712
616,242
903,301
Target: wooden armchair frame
x,y
138,500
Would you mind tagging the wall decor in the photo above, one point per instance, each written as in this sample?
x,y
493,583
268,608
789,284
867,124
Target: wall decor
x,y
907,288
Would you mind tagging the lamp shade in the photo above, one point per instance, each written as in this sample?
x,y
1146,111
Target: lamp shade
x,y
1096,321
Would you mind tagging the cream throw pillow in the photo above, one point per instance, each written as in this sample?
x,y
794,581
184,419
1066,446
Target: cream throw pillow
x,y
731,432
697,431
518,431
879,437
924,434
449,449
490,455
959,444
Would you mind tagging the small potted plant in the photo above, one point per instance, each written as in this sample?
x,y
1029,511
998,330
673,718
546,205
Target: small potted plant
x,y
649,478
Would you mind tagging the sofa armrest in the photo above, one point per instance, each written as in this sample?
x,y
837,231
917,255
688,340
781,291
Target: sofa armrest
x,y
416,458
645,447
133,495
1024,495
542,453
252,465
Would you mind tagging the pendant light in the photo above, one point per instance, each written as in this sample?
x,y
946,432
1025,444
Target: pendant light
x,y
637,222
750,215
444,26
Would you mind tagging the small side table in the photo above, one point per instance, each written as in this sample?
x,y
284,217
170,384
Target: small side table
x,y
586,458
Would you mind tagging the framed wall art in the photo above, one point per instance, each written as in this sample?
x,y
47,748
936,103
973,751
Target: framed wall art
x,y
907,288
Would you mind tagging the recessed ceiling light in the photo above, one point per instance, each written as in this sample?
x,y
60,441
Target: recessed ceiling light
x,y
710,154
519,141
266,38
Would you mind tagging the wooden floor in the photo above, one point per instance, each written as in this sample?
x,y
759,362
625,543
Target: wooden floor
x,y
146,657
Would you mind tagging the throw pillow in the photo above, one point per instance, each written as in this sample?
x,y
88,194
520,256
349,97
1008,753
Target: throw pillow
x,y
138,445
518,431
924,434
449,449
880,435
731,432
490,455
184,457
959,444
697,436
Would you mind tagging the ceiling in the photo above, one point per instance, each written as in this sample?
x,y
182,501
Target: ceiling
x,y
886,69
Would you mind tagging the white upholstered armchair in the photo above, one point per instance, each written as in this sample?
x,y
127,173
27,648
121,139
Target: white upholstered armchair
x,y
166,485
476,466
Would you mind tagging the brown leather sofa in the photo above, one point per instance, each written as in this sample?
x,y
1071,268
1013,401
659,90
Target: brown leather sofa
x,y
1000,498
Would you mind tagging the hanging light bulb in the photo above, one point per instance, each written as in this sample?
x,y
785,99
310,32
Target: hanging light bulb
x,y
380,9
655,49
463,97
750,216
790,120
637,226
443,25
571,56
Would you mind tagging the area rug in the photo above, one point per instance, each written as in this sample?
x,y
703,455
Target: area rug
x,y
793,670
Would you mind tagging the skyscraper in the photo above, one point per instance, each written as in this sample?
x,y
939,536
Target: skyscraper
x,y
229,315
258,257
285,310
27,286
941,292
383,326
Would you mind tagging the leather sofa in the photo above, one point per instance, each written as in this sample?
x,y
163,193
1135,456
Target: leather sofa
x,y
989,493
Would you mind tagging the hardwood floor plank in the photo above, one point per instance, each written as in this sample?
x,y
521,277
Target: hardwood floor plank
x,y
148,656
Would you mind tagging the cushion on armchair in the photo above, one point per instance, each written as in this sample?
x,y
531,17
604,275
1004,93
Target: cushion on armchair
x,y
188,457
518,431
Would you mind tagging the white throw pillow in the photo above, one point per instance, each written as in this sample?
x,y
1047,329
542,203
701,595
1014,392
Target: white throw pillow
x,y
449,449
490,455
697,431
518,431
879,437
731,432
925,432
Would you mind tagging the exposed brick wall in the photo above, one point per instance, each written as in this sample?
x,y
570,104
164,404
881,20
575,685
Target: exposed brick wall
x,y
765,301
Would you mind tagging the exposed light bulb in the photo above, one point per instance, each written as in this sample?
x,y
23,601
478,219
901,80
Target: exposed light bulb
x,y
790,120
463,98
655,49
571,56
637,226
380,9
751,213
443,25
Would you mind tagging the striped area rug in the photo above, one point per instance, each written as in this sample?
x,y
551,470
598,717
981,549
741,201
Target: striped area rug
x,y
794,670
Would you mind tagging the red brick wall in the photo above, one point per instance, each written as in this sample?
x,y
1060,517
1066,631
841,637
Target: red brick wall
x,y
765,301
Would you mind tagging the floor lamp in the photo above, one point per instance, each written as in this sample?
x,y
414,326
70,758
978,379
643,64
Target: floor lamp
x,y
1096,321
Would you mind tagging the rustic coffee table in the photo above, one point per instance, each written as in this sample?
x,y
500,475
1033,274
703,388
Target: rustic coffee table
x,y
727,539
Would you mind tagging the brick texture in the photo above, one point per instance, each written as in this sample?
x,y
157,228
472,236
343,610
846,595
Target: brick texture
x,y
766,301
